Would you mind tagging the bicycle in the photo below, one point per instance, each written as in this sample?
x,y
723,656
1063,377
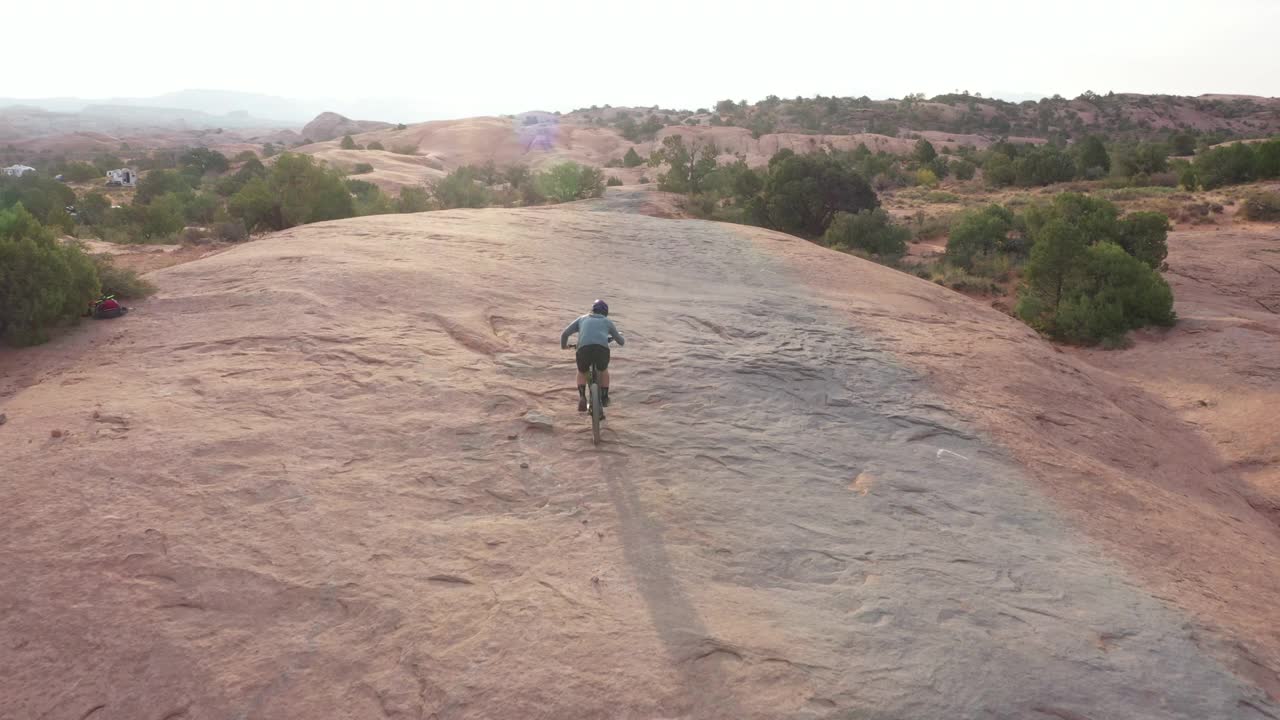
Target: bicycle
x,y
594,405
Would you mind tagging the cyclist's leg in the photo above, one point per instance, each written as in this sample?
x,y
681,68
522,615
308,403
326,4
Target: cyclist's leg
x,y
602,363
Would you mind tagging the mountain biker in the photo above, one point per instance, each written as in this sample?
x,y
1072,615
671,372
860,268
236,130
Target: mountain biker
x,y
594,332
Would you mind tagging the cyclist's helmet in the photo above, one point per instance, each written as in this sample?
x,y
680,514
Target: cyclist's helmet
x,y
600,307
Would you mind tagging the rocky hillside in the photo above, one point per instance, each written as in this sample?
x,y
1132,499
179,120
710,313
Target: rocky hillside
x,y
330,125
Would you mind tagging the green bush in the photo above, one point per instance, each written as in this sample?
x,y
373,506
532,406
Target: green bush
x,y
1109,295
998,170
613,181
160,182
1092,159
1082,289
361,169
460,189
570,181
347,143
81,172
375,145
924,152
296,191
121,282
198,162
1261,206
405,149
803,193
413,200
964,169
632,158
1144,235
231,184
92,208
42,282
978,234
869,231
38,194
926,178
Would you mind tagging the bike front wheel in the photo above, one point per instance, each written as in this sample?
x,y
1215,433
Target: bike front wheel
x,y
597,414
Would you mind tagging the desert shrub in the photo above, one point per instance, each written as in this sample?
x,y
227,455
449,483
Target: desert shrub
x,y
92,208
81,172
644,180
1108,294
160,182
369,199
1043,166
401,126
60,221
1144,236
1142,159
613,181
1082,287
375,145
231,184
121,282
998,170
926,177
977,234
361,169
198,162
405,149
1261,206
1227,165
687,166
296,191
245,156
924,152
39,195
803,193
460,189
42,282
632,158
964,169
1092,159
869,231
165,216
613,163
414,199
347,143
230,231
570,181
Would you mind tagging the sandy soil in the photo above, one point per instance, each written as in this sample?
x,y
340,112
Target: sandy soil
x,y
338,473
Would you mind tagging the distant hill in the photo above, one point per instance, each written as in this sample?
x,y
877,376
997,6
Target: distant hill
x,y
330,125
1119,116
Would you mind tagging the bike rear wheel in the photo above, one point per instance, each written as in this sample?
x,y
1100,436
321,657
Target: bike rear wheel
x,y
597,413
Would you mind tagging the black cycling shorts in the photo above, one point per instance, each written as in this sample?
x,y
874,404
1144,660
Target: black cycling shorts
x,y
589,355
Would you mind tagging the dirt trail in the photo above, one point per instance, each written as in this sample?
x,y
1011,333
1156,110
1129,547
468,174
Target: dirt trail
x,y
302,486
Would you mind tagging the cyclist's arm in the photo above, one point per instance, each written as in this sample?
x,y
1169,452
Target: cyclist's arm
x,y
617,336
564,336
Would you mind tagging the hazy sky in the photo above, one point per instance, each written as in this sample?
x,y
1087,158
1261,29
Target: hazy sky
x,y
471,57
